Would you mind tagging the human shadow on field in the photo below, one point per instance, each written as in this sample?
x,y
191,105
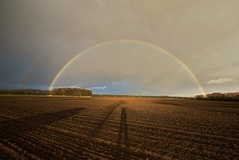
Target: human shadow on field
x,y
15,128
123,140
89,142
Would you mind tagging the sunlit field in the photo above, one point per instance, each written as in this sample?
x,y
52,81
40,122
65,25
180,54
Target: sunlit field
x,y
38,127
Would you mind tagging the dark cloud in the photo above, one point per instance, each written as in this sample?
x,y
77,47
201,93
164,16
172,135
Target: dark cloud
x,y
39,37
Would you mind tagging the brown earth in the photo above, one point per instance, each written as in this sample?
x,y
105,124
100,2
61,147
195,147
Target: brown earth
x,y
33,127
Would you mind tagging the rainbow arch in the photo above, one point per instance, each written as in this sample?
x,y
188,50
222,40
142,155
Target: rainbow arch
x,y
128,41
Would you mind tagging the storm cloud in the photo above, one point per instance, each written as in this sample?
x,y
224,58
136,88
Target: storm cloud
x,y
39,37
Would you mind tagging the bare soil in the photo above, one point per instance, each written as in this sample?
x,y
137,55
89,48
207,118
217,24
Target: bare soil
x,y
34,127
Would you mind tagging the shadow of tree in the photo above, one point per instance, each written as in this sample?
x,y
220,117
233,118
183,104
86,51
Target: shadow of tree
x,y
117,152
11,128
90,143
100,124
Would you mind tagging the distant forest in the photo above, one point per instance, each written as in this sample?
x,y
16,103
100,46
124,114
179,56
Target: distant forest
x,y
56,91
218,96
71,92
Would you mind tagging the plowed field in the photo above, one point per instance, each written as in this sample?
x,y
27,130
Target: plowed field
x,y
117,128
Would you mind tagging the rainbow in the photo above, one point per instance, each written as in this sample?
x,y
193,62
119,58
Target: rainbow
x,y
27,74
129,41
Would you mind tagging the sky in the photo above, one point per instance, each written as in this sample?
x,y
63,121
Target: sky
x,y
138,47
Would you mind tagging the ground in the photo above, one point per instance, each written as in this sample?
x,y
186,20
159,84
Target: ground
x,y
35,127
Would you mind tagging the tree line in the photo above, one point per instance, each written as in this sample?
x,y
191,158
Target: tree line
x,y
56,91
25,91
71,92
219,96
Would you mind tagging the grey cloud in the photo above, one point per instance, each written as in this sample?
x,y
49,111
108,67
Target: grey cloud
x,y
40,37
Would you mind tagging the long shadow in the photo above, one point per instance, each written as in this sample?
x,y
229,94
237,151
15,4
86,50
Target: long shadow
x,y
89,141
123,150
100,124
15,128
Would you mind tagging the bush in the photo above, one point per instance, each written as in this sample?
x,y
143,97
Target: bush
x,y
219,96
